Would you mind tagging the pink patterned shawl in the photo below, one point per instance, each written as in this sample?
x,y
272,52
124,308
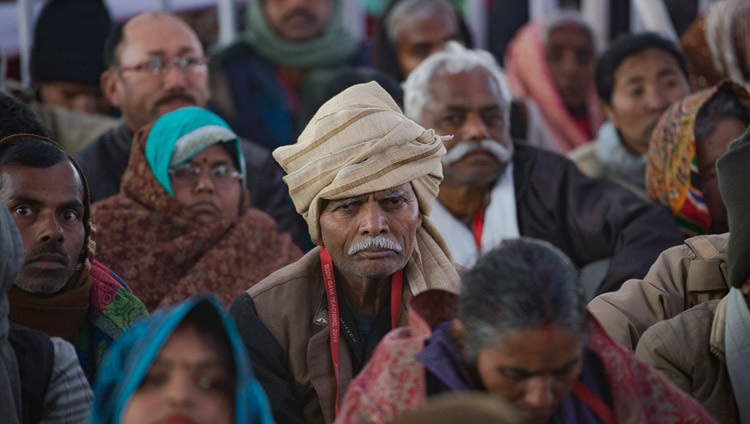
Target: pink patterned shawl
x,y
393,382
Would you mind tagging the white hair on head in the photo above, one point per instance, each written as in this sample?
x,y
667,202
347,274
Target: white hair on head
x,y
414,11
454,59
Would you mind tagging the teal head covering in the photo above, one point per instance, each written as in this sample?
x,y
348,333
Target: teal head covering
x,y
130,358
179,135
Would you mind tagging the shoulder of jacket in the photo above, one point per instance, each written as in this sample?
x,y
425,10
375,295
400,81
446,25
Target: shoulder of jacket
x,y
295,277
712,246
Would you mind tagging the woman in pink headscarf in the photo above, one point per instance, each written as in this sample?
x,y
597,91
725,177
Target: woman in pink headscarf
x,y
550,67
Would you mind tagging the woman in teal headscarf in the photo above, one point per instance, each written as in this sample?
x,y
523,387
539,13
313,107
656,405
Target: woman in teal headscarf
x,y
181,224
183,362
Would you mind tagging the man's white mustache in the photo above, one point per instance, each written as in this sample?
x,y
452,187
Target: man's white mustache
x,y
500,152
379,242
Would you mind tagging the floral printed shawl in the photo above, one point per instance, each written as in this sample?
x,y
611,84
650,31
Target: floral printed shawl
x,y
157,246
672,177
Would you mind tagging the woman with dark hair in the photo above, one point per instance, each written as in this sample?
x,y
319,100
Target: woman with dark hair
x,y
182,363
637,78
522,333
550,67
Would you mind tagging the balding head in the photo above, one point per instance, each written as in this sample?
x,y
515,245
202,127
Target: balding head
x,y
132,82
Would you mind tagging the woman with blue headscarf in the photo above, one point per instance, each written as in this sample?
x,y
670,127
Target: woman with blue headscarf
x,y
182,224
182,364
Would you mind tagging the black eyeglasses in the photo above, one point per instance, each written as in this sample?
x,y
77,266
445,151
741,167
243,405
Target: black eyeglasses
x,y
159,66
188,173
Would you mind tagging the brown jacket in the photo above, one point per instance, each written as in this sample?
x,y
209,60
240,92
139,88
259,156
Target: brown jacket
x,y
682,277
294,365
689,350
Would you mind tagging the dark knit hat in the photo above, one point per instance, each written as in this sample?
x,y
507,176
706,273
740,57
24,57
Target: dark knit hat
x,y
69,41
733,169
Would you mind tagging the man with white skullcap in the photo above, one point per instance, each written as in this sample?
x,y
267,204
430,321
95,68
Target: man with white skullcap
x,y
364,177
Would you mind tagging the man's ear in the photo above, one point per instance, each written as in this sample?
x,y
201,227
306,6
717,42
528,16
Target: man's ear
x,y
745,287
109,82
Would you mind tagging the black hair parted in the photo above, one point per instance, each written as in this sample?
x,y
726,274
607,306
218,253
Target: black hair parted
x,y
625,46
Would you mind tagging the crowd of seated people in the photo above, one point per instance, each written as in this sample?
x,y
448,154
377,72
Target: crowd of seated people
x,y
311,225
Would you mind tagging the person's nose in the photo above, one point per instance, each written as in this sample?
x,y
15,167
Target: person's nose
x,y
204,182
373,220
49,228
656,100
568,65
474,128
539,393
178,391
174,77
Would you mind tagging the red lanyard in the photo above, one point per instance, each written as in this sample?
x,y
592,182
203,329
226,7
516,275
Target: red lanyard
x,y
397,283
592,401
477,227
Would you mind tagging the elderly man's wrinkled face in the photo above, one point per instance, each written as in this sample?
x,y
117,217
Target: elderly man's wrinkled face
x,y
370,237
469,106
298,20
47,206
534,368
161,68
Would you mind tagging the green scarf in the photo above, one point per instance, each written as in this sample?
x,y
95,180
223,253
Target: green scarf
x,y
332,48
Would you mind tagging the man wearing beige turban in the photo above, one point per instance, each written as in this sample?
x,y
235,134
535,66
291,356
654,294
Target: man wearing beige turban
x,y
364,177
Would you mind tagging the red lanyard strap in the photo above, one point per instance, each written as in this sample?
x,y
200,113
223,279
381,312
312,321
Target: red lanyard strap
x,y
477,228
397,284
588,397
333,309
333,315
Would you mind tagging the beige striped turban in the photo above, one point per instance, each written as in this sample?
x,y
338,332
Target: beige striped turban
x,y
359,142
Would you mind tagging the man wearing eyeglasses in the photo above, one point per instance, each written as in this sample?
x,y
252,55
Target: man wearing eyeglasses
x,y
156,64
